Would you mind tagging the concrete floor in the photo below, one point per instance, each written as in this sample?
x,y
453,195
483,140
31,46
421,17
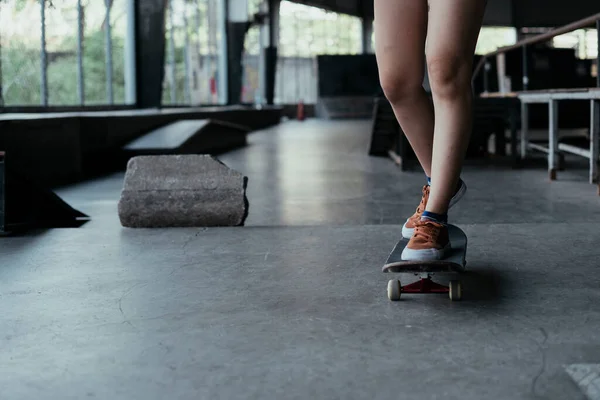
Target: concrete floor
x,y
294,304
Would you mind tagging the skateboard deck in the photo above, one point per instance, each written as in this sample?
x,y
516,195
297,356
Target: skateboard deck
x,y
453,263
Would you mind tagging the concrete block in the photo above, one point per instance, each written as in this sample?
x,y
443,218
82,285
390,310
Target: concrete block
x,y
182,191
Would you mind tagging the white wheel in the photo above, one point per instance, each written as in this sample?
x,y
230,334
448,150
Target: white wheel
x,y
394,290
455,292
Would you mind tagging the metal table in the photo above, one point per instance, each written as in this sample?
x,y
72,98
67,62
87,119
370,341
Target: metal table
x,y
552,97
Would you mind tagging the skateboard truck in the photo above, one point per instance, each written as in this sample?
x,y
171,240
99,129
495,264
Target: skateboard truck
x,y
424,285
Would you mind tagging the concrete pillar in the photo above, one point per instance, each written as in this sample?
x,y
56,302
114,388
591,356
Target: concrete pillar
x,y
223,51
149,52
367,32
237,26
270,50
129,54
598,55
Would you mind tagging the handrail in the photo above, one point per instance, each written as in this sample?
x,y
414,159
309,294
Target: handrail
x,y
539,38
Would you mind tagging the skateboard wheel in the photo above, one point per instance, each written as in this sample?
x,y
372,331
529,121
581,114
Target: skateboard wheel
x,y
394,290
455,291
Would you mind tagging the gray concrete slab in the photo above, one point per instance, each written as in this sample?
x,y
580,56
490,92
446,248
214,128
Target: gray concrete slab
x,y
319,173
298,312
294,304
181,191
587,377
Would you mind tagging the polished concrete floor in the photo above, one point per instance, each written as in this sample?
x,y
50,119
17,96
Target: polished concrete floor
x,y
294,305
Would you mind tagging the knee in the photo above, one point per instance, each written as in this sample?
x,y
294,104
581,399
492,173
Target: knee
x,y
400,86
449,76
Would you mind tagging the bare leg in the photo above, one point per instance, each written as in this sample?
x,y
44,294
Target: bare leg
x,y
400,31
451,38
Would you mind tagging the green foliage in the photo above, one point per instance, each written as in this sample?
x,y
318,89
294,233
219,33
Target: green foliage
x,y
180,78
21,73
62,74
20,4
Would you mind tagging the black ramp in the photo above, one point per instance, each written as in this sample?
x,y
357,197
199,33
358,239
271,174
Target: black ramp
x,y
202,136
26,205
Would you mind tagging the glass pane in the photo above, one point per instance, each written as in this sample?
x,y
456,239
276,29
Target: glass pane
x,y
306,32
118,21
61,46
491,38
20,44
94,54
193,71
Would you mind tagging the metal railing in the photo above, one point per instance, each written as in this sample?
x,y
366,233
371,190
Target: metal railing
x,y
583,23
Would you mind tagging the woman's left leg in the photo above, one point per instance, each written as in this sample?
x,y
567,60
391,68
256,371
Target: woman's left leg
x,y
452,35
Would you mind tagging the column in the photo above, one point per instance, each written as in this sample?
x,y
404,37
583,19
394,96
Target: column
x,y
149,52
236,28
270,51
367,32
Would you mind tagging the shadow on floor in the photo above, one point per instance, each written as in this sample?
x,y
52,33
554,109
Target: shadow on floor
x,y
483,284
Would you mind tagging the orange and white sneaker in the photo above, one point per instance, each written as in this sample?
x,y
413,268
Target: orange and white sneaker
x,y
409,226
430,241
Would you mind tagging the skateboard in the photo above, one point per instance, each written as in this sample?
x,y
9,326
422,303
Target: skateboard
x,y
453,264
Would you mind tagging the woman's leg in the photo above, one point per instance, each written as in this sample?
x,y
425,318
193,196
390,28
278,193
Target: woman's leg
x,y
400,31
453,31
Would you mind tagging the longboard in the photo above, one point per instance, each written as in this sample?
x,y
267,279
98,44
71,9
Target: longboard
x,y
453,263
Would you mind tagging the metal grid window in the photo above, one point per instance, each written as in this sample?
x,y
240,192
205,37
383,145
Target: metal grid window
x,y
306,32
64,52
192,50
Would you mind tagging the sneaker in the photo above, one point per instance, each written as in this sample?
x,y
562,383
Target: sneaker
x,y
430,241
409,225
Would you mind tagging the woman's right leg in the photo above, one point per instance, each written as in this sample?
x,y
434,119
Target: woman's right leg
x,y
400,32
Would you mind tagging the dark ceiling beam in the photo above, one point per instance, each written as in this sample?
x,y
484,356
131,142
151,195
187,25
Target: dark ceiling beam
x,y
552,13
517,13
350,7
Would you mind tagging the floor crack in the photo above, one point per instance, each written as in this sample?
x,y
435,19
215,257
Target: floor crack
x,y
125,318
543,367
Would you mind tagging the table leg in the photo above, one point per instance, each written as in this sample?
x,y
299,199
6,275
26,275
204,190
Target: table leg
x,y
553,138
524,129
594,140
513,136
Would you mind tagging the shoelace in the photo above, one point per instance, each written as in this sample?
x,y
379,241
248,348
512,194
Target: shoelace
x,y
425,192
428,230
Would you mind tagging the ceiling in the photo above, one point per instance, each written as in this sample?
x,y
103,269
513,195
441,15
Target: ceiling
x,y
517,13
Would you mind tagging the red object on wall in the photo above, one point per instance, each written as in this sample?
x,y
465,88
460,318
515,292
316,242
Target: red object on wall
x,y
300,111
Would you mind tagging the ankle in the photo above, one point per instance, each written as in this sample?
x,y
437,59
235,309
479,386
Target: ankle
x,y
435,217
